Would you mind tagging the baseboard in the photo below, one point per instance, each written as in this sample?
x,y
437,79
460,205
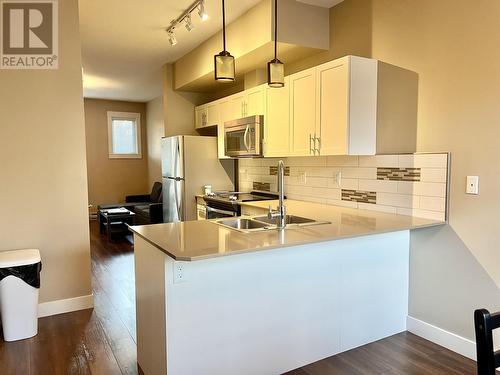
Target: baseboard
x,y
62,306
449,340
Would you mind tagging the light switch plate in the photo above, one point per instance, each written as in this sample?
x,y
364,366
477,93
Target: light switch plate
x,y
472,185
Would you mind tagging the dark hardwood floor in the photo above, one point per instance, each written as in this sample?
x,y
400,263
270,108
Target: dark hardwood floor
x,y
102,340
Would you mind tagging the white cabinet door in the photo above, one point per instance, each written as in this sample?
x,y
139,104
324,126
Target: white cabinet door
x,y
332,81
232,107
213,110
303,111
201,212
200,116
277,121
255,101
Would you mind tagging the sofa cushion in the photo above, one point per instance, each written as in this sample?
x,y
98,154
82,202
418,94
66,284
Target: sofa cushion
x,y
142,209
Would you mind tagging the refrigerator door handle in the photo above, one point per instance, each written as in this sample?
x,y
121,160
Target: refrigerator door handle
x,y
177,202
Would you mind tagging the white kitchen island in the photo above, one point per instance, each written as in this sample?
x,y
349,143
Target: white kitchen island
x,y
283,299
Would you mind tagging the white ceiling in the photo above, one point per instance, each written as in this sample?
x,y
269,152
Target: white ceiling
x,y
124,44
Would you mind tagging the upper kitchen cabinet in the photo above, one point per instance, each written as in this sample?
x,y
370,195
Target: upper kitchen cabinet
x,y
332,106
207,115
232,107
276,141
303,127
246,103
255,100
365,107
200,116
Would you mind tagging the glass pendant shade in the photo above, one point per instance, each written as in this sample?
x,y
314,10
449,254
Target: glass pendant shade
x,y
224,67
275,73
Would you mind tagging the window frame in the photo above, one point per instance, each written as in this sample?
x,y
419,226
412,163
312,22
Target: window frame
x,y
114,115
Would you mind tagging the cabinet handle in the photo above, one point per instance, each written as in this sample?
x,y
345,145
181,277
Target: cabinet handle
x,y
311,147
319,144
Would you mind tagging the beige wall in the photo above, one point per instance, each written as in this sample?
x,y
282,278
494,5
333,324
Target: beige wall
x,y
178,106
110,180
350,34
43,189
452,45
155,131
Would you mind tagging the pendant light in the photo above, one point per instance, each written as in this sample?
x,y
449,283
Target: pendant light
x,y
224,62
275,68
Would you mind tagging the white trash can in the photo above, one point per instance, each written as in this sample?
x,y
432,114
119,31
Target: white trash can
x,y
19,287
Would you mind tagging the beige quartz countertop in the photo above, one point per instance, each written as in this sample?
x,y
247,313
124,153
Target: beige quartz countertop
x,y
195,240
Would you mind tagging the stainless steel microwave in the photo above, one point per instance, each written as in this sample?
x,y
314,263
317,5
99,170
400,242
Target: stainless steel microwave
x,y
243,137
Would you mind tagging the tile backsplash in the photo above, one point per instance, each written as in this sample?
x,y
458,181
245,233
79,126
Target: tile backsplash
x,y
406,184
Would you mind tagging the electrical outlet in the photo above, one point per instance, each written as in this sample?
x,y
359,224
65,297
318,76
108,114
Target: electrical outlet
x,y
179,273
472,185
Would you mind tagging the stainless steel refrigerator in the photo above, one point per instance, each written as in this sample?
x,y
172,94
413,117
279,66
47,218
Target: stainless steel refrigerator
x,y
188,163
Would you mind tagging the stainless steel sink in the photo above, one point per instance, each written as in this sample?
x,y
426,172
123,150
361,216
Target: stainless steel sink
x,y
243,224
262,223
290,219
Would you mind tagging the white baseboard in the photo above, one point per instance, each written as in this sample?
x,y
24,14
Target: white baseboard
x,y
449,340
62,306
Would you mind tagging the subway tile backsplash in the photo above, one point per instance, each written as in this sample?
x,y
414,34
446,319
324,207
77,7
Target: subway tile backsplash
x,y
410,184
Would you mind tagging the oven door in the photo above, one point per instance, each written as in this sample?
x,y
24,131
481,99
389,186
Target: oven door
x,y
217,213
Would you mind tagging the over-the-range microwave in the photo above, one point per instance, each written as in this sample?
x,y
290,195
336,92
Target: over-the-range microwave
x,y
243,137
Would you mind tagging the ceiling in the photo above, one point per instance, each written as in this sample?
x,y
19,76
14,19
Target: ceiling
x,y
124,46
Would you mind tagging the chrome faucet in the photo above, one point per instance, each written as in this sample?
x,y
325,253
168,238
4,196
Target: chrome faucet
x,y
280,213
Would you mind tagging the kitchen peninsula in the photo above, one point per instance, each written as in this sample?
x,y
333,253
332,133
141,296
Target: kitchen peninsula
x,y
269,301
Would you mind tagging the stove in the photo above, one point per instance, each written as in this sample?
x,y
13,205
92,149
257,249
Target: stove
x,y
227,204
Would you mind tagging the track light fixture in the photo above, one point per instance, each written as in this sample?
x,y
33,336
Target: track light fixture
x,y
186,17
171,37
189,22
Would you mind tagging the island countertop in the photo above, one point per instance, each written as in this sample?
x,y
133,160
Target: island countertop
x,y
195,240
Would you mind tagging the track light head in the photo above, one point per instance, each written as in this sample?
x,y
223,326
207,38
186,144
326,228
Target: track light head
x,y
171,37
202,12
189,22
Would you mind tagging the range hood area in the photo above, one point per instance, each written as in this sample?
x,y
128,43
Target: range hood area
x,y
303,29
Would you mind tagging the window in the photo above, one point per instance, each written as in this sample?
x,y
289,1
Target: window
x,y
124,135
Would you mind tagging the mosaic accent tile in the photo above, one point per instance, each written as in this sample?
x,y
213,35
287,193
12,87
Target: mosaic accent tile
x,y
398,174
262,186
273,171
359,196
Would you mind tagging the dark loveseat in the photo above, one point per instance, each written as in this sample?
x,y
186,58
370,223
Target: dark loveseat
x,y
148,208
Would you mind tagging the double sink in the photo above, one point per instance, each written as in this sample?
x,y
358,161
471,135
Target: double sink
x,y
261,223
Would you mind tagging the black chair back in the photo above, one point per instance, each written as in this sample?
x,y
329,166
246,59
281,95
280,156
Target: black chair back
x,y
487,359
156,195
